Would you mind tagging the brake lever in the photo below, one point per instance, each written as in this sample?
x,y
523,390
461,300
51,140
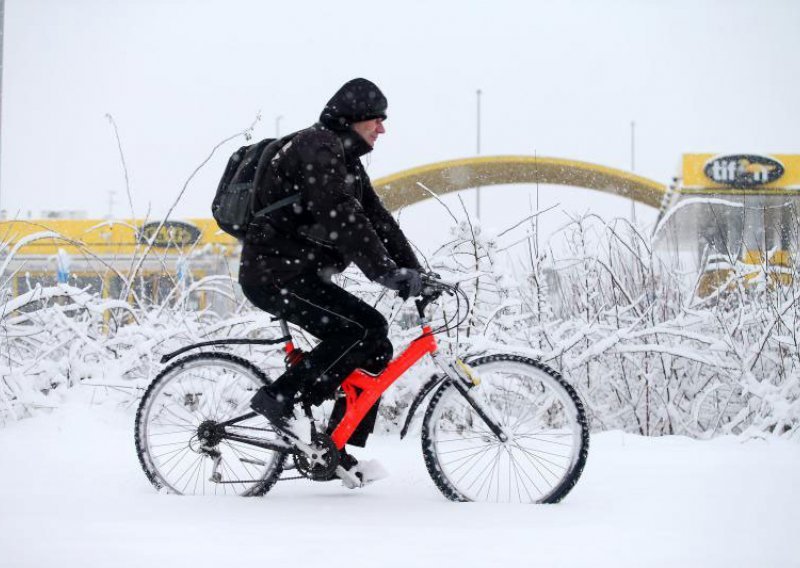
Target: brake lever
x,y
428,291
434,287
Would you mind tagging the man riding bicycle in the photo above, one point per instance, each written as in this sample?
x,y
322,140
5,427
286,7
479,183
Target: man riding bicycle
x,y
290,254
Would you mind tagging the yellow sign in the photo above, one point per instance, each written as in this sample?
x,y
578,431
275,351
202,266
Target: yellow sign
x,y
169,234
741,173
103,238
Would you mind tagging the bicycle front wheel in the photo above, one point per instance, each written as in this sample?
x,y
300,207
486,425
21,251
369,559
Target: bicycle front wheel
x,y
542,418
194,393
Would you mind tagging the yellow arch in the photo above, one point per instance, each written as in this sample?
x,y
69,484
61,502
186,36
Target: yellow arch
x,y
401,188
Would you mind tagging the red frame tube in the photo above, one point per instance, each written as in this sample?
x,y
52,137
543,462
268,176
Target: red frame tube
x,y
372,387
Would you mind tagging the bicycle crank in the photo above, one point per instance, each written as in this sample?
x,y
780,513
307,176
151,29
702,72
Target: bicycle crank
x,y
319,461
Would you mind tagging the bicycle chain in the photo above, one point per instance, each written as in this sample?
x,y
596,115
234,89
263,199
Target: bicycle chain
x,y
251,428
296,477
292,478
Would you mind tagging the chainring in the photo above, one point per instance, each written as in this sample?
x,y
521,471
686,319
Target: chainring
x,y
320,466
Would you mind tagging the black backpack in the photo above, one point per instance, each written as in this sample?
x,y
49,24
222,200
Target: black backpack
x,y
232,207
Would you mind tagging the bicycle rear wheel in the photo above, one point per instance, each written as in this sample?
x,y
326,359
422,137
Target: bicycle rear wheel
x,y
540,414
196,392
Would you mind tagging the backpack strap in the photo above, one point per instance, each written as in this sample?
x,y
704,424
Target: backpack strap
x,y
286,200
273,163
277,205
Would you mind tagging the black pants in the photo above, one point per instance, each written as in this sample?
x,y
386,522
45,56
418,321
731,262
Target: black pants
x,y
352,335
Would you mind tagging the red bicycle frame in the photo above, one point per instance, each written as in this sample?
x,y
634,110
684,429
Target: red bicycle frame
x,y
363,390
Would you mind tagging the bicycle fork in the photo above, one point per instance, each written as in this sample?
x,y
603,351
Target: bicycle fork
x,y
463,378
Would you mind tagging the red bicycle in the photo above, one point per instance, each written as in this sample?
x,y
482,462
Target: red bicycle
x,y
497,428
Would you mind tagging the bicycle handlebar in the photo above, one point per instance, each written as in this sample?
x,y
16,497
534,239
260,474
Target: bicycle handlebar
x,y
432,288
435,284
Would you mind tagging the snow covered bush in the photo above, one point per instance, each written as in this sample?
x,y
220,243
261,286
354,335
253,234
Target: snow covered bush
x,y
646,353
649,355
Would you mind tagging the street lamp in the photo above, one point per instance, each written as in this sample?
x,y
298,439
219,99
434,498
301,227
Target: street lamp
x,y
2,26
478,189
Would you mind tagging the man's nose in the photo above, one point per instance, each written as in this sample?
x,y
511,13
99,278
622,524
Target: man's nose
x,y
381,128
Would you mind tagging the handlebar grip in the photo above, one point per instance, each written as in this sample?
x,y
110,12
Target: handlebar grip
x,y
435,283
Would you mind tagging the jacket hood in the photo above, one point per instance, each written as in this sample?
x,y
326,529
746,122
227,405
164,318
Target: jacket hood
x,y
357,100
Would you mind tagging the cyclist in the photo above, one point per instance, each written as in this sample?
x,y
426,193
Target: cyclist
x,y
290,254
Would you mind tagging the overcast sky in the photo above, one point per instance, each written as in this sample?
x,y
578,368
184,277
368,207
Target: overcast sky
x,y
563,79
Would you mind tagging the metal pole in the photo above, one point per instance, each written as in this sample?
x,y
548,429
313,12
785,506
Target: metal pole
x,y
2,37
478,192
111,204
633,165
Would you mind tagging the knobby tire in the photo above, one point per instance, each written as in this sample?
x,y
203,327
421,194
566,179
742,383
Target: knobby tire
x,y
197,388
543,416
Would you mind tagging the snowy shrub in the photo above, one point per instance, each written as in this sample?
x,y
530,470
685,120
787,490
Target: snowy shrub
x,y
650,356
646,353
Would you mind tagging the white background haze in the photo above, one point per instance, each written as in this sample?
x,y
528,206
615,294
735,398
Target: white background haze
x,y
561,79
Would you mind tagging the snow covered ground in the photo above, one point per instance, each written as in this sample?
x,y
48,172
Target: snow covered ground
x,y
72,494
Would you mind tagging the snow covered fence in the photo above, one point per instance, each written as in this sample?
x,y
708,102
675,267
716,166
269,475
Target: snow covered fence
x,y
645,352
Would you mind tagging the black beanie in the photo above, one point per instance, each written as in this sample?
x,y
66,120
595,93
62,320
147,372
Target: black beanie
x,y
355,101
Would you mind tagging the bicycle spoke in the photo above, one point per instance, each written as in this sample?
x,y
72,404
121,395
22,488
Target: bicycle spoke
x,y
490,475
513,462
537,438
466,460
536,462
538,451
239,448
182,431
169,410
469,449
162,420
535,408
181,443
539,454
245,465
463,460
461,439
525,473
204,389
174,453
479,475
190,470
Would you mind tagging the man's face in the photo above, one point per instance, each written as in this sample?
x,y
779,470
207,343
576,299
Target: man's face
x,y
370,130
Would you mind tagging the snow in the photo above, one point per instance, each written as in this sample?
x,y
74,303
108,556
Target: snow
x,y
72,494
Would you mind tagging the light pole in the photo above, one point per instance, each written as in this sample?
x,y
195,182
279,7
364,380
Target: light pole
x,y
478,189
2,26
633,166
111,194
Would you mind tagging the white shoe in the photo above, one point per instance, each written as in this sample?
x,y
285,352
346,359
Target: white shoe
x,y
363,473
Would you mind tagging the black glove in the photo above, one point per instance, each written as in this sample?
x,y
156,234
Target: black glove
x,y
427,288
406,281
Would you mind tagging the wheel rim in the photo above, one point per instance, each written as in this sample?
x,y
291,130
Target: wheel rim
x,y
537,415
187,403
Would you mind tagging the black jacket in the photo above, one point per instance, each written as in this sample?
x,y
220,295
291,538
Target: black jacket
x,y
338,220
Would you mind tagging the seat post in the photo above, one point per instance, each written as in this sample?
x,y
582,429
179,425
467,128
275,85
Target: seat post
x,y
293,355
